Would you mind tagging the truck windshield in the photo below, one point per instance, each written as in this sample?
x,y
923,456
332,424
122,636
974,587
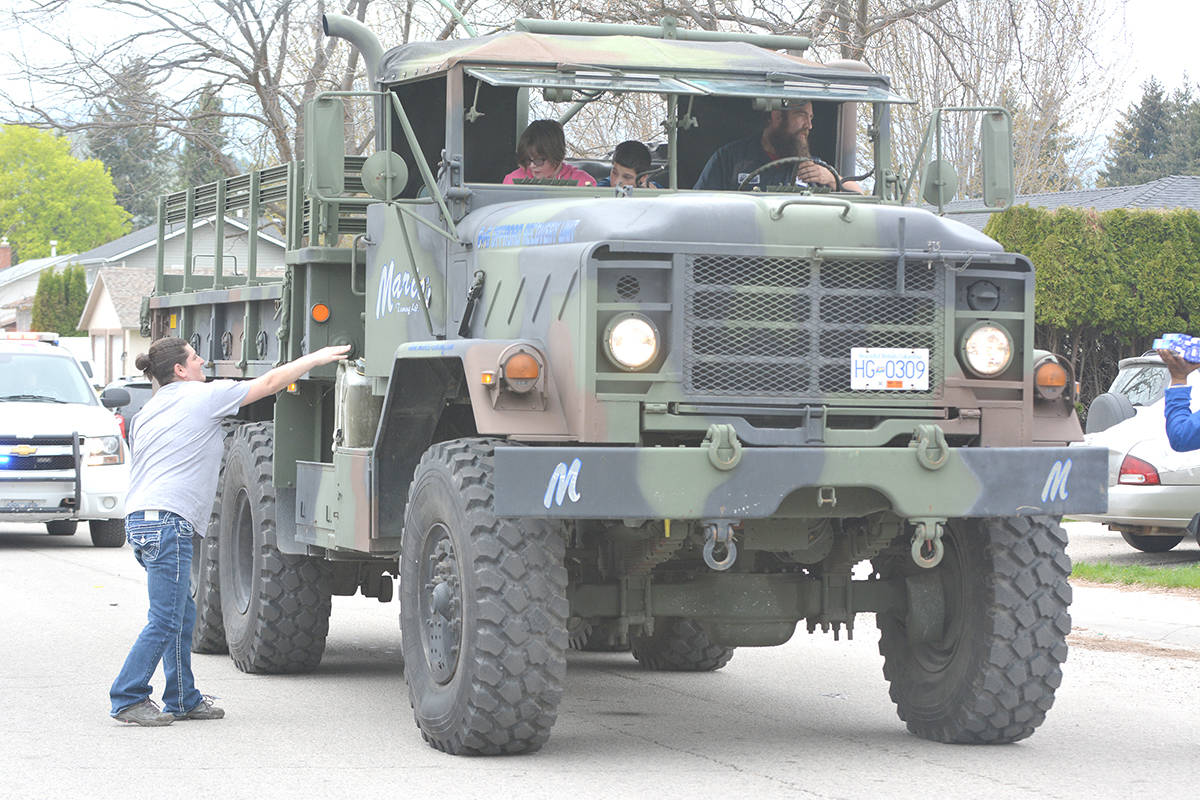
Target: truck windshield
x,y
36,377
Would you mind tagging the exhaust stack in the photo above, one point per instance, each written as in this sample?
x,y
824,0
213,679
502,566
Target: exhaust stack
x,y
360,37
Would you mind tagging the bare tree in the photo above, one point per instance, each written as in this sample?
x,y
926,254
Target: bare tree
x,y
1038,58
264,59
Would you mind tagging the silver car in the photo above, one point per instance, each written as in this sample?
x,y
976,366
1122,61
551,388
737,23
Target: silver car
x,y
1153,491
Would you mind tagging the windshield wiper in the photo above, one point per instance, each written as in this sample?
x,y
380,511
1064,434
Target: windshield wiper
x,y
37,398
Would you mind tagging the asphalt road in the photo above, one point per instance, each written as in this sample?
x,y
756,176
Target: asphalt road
x,y
809,719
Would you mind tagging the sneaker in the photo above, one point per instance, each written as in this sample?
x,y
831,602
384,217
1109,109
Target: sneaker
x,y
204,710
144,713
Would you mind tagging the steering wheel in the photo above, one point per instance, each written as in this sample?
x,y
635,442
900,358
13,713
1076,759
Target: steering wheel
x,y
797,160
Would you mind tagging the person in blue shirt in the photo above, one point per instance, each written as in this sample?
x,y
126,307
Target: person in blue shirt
x,y
1183,426
630,160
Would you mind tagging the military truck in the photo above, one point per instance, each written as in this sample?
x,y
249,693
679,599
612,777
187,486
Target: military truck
x,y
659,419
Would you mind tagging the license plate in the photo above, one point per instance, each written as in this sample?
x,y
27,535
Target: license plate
x,y
903,369
19,505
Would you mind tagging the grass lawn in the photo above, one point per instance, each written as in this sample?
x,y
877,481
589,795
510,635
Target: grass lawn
x,y
1187,576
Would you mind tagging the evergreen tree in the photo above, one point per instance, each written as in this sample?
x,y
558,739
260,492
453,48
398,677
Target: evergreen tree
x,y
59,301
1183,136
203,152
123,135
1138,149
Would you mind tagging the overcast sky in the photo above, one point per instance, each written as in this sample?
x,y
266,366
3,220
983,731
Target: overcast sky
x,y
1158,39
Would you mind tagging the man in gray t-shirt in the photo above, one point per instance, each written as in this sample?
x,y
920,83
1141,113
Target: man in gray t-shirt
x,y
177,445
176,441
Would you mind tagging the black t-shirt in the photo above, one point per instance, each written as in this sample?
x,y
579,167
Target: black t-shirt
x,y
729,166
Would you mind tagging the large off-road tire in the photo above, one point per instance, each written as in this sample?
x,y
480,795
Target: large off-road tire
x,y
274,607
208,636
990,676
66,527
107,532
1151,544
482,610
680,645
595,637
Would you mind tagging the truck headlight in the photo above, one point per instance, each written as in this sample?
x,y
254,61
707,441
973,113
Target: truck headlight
x,y
101,450
987,349
632,341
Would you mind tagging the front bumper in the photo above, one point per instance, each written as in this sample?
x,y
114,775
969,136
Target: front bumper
x,y
47,496
686,483
1148,506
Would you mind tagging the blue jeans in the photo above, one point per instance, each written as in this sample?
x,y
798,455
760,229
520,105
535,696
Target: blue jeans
x,y
163,547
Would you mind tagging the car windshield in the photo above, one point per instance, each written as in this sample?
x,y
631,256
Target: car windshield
x,y
35,377
1143,384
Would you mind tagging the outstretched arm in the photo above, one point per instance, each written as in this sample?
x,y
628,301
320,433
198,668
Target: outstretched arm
x,y
278,378
1183,427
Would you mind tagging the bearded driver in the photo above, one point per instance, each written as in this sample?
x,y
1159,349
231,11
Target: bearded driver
x,y
785,135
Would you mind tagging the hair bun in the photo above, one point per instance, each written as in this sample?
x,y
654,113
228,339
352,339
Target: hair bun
x,y
142,362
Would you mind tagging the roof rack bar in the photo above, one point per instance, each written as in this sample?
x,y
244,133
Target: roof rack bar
x,y
668,30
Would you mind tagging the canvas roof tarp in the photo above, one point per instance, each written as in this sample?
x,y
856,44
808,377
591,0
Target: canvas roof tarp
x,y
620,52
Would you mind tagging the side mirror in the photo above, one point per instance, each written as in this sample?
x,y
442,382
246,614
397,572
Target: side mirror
x,y
114,397
384,175
996,132
939,182
325,146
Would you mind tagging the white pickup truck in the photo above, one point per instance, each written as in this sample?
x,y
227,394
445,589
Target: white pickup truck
x,y
62,457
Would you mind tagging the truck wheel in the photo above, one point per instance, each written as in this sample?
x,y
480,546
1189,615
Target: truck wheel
x,y
274,607
679,645
66,527
1138,541
482,610
107,532
209,634
598,637
989,678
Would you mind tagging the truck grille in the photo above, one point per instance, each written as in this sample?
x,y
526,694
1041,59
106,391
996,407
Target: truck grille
x,y
783,327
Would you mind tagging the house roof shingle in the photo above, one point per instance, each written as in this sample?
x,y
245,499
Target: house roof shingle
x,y
1173,191
126,287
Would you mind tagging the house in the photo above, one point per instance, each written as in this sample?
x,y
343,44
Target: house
x,y
18,284
1173,191
112,318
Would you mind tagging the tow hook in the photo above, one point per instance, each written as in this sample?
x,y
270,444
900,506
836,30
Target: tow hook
x,y
724,449
930,443
927,548
719,533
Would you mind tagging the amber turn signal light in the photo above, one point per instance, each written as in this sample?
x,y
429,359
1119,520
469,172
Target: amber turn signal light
x,y
320,312
1050,379
521,371
521,366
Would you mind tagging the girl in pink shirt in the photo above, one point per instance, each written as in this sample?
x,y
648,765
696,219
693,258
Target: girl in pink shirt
x,y
540,153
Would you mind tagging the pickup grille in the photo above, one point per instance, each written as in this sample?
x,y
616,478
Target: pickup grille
x,y
782,328
51,453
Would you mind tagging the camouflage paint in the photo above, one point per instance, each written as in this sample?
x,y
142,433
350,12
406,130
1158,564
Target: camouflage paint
x,y
683,483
